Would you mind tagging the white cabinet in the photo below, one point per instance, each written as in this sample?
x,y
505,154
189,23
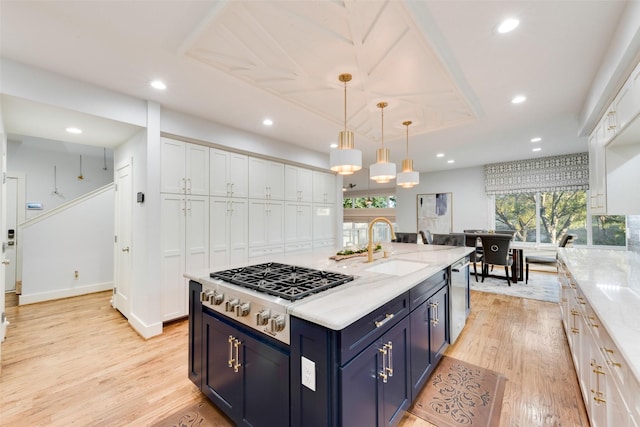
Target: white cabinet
x,y
185,247
184,168
597,172
229,174
626,105
297,184
609,388
324,187
266,227
324,227
228,237
266,179
297,229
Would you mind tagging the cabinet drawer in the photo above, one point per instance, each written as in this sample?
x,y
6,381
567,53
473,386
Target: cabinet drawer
x,y
357,336
424,290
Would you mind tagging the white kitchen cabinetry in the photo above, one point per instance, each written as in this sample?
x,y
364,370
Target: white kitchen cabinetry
x,y
185,247
297,184
597,172
324,187
609,389
266,179
229,174
228,238
324,227
266,227
184,168
297,226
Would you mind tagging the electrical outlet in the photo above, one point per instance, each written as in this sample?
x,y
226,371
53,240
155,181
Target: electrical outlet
x,y
308,374
75,274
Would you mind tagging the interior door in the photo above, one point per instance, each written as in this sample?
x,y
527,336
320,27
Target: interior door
x,y
123,251
3,204
10,230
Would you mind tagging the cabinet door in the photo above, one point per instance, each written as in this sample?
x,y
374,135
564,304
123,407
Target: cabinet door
x,y
439,315
220,382
172,285
238,225
324,217
368,398
197,169
238,175
265,395
275,223
297,222
257,223
421,362
597,171
275,180
172,166
219,184
219,232
324,190
197,233
258,185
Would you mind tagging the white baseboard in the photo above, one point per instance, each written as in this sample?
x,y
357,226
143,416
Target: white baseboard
x,y
64,293
145,331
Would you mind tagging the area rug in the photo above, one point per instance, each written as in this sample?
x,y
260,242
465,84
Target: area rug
x,y
201,414
541,286
461,394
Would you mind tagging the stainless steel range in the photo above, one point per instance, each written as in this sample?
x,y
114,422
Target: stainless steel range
x,y
260,296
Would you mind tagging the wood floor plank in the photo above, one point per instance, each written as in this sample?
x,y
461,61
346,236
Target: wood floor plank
x,y
77,362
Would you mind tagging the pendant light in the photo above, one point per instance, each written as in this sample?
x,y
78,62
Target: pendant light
x,y
408,177
345,159
382,171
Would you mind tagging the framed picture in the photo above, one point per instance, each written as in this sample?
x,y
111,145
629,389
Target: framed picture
x,y
434,212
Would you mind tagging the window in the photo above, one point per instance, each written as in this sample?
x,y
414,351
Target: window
x,y
544,217
359,210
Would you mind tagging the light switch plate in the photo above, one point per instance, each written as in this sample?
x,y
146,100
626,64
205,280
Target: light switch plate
x,y
308,373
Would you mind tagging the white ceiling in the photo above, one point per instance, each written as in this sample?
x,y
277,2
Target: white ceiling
x,y
441,64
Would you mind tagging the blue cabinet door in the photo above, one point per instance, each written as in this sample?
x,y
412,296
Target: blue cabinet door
x,y
368,398
439,314
246,378
421,361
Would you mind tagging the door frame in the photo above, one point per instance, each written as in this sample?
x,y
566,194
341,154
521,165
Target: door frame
x,y
21,216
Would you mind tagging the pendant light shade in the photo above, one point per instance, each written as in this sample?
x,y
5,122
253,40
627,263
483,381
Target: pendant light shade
x,y
408,177
382,171
345,159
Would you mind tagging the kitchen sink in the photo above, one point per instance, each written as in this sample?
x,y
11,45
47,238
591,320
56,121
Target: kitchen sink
x,y
397,267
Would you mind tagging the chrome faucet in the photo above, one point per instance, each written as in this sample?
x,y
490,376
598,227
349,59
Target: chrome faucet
x,y
370,234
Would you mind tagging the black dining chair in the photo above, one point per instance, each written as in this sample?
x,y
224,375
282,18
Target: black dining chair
x,y
495,251
566,241
427,239
451,239
471,241
406,237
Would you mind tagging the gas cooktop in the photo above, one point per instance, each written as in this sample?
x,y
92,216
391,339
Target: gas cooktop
x,y
282,280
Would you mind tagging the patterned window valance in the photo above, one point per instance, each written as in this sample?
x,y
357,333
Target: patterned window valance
x,y
567,172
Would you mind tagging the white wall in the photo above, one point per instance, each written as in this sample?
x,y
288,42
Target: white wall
x,y
75,237
470,203
37,158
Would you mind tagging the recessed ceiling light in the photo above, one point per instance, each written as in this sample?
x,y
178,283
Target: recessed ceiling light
x,y
267,122
333,145
158,84
508,25
518,99
536,149
440,155
74,130
451,161
536,139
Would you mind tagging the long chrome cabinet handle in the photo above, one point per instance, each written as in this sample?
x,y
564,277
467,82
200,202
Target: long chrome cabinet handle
x,y
231,359
383,372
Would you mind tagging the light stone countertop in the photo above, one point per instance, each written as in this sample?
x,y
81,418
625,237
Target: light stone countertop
x,y
610,281
375,283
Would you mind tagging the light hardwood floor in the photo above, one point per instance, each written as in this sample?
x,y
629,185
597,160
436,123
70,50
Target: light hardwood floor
x,y
77,362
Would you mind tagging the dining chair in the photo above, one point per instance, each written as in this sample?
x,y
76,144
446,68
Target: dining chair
x,y
495,251
406,237
566,241
471,241
451,239
427,239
